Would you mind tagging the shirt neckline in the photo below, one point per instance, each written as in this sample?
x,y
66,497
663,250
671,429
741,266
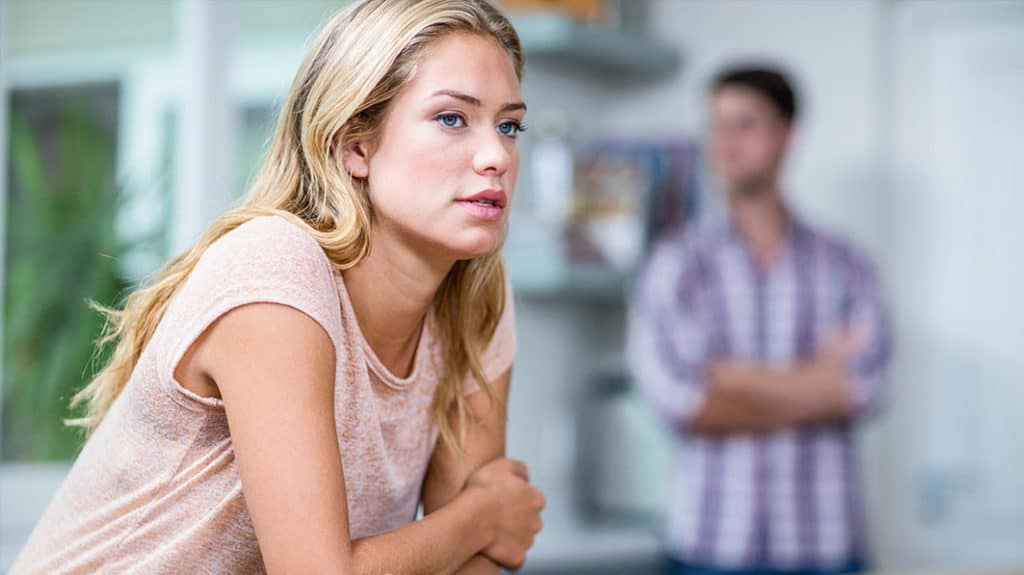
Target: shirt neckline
x,y
373,362
792,242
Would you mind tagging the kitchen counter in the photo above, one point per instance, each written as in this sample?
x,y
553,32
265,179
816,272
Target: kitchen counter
x,y
569,544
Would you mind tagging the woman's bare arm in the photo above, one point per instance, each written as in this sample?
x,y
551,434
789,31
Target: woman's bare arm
x,y
485,442
275,369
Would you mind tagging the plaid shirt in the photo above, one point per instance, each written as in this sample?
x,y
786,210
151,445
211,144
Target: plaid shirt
x,y
788,499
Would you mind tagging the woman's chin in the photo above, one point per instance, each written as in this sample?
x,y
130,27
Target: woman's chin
x,y
474,245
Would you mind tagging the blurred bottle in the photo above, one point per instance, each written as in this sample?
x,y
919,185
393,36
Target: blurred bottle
x,y
551,158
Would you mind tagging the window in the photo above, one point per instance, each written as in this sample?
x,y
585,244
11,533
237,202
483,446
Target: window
x,y
62,251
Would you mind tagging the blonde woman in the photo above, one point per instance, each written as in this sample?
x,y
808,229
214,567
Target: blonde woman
x,y
336,350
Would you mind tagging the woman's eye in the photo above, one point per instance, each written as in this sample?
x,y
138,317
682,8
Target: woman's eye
x,y
451,120
511,128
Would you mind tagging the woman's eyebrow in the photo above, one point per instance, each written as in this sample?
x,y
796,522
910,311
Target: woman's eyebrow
x,y
474,101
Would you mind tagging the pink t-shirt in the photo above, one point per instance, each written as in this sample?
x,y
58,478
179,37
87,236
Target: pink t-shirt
x,y
156,488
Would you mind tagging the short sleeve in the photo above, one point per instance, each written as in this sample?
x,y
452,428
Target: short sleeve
x,y
265,260
501,351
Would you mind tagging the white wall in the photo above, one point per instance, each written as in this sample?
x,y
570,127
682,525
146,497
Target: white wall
x,y
956,82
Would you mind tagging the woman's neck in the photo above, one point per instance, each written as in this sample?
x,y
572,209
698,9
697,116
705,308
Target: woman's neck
x,y
392,290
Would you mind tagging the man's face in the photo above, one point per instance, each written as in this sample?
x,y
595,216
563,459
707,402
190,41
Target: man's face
x,y
748,139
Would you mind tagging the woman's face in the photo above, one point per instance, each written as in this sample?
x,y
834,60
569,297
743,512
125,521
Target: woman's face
x,y
442,173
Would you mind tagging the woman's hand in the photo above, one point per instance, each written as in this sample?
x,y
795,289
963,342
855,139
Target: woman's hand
x,y
516,505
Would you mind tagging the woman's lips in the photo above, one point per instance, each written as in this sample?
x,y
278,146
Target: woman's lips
x,y
482,209
486,205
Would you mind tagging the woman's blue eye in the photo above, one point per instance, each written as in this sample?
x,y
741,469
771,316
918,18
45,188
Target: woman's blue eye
x,y
450,120
511,128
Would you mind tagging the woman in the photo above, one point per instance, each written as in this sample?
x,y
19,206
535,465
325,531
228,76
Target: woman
x,y
276,394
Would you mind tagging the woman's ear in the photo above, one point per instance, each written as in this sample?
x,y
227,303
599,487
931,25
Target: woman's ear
x,y
354,157
355,160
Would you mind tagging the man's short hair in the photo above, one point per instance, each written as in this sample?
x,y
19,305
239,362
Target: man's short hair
x,y
766,81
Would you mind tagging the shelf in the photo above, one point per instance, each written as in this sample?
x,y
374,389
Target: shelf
x,y
557,38
540,271
580,283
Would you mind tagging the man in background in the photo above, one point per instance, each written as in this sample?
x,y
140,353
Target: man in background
x,y
763,342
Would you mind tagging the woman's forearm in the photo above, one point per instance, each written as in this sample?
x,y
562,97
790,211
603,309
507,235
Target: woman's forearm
x,y
441,542
439,491
448,473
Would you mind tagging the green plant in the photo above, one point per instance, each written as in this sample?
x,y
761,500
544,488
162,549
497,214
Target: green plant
x,y
62,251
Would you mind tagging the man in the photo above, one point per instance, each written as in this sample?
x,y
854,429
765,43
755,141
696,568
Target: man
x,y
762,341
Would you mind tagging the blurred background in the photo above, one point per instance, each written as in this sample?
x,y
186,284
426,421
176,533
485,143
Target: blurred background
x,y
128,125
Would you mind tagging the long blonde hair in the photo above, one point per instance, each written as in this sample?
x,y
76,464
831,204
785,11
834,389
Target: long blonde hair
x,y
358,63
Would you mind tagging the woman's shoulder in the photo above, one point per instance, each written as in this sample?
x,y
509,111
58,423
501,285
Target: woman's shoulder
x,y
268,238
267,258
264,260
269,246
